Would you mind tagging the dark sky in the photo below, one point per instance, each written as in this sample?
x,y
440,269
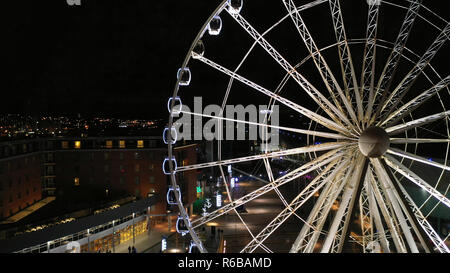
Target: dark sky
x,y
105,56
120,57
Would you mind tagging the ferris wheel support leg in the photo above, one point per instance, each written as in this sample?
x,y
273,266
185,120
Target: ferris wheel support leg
x,y
376,218
366,216
388,187
389,218
299,243
346,207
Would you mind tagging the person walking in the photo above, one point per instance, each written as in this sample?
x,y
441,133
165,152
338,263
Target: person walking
x,y
129,249
133,250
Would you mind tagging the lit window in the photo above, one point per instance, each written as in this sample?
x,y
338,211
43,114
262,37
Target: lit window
x,y
65,145
109,144
150,167
140,144
121,143
77,144
77,181
136,168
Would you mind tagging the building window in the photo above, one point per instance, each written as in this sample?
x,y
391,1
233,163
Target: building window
x,y
140,144
106,156
77,181
106,168
151,155
121,156
65,144
152,179
136,180
136,168
122,169
109,144
151,167
121,143
92,156
137,156
77,144
121,181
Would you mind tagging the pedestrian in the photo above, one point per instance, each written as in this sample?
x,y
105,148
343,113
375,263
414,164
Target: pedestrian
x,y
129,249
133,250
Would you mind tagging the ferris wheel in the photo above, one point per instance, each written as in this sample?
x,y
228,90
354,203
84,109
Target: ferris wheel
x,y
376,106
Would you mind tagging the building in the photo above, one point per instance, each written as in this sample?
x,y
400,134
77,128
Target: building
x,y
37,171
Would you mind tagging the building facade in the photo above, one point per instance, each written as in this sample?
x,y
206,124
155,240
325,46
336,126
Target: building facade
x,y
33,169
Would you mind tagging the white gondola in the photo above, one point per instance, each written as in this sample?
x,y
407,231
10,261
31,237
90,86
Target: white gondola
x,y
170,135
165,165
215,25
235,6
193,248
176,107
181,226
199,50
184,75
171,196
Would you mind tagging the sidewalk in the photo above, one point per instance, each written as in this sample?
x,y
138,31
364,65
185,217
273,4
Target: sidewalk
x,y
146,241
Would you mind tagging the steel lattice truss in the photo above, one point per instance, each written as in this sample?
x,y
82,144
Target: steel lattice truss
x,y
374,191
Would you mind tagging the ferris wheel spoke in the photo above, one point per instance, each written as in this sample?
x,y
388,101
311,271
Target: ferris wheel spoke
x,y
309,234
338,231
298,201
390,68
345,57
410,175
410,106
376,215
387,211
398,93
306,168
365,214
416,123
418,140
369,59
417,158
302,110
385,179
318,97
422,220
290,129
300,150
321,65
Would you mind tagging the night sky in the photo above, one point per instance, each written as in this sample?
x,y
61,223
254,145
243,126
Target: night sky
x,y
104,57
120,58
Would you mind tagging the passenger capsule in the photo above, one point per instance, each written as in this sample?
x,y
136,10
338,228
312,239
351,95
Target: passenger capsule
x,y
170,135
171,197
165,165
184,75
235,6
176,107
198,50
215,25
181,226
193,248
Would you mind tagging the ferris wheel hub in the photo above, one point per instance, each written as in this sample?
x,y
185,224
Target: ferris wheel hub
x,y
373,142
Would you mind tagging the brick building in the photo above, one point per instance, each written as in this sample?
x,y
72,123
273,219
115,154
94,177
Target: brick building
x,y
33,169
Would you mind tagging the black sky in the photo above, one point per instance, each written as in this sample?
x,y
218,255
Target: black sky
x,y
120,57
106,56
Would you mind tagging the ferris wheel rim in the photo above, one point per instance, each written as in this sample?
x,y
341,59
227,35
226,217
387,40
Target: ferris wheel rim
x,y
188,57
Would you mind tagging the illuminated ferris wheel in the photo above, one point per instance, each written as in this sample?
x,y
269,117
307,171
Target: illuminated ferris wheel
x,y
376,102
